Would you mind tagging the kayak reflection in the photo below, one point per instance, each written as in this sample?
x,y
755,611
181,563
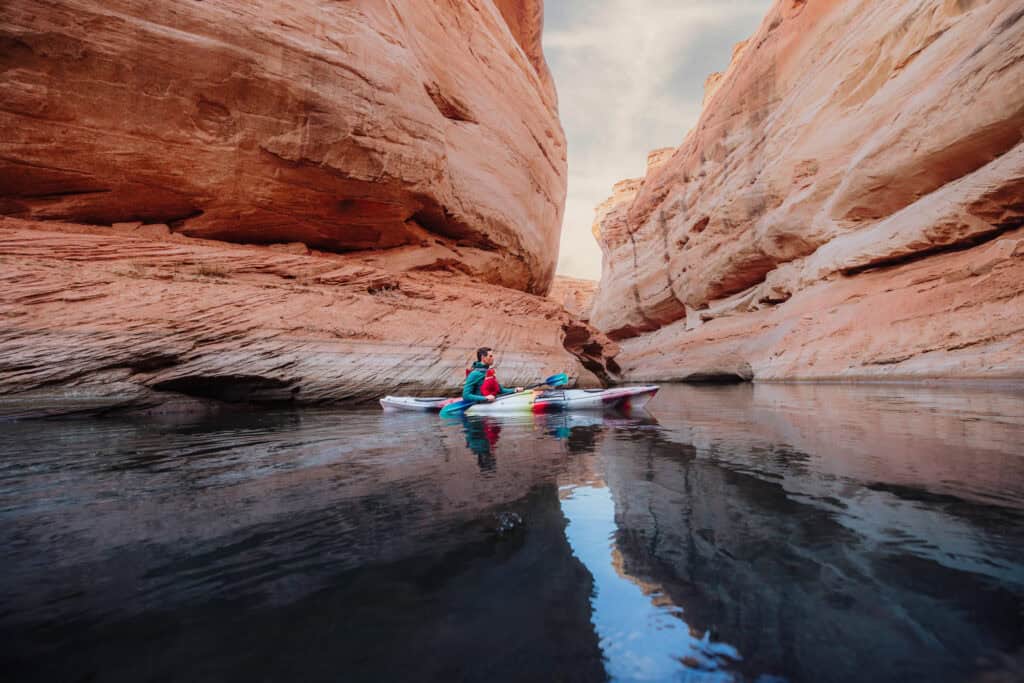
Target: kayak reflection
x,y
579,431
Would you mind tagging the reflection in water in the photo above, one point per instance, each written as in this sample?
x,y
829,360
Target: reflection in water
x,y
819,533
293,546
482,433
834,533
642,638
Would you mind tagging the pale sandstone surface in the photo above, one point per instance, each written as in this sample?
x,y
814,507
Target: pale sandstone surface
x,y
611,228
844,135
958,314
430,129
575,295
135,317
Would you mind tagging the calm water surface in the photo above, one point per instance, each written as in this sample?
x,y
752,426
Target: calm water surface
x,y
748,533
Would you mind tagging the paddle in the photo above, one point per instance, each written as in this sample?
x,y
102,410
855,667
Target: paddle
x,y
553,381
459,406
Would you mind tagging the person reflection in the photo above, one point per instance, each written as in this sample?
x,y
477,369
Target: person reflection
x,y
481,437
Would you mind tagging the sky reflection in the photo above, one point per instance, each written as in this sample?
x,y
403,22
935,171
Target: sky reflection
x,y
642,639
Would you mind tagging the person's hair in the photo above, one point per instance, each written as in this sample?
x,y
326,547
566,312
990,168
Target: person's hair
x,y
482,351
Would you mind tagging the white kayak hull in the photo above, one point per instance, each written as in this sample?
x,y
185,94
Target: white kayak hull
x,y
412,403
621,399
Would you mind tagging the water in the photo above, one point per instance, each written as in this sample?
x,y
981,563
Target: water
x,y
765,533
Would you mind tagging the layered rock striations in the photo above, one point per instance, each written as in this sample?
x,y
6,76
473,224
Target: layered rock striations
x,y
273,201
423,128
849,205
133,317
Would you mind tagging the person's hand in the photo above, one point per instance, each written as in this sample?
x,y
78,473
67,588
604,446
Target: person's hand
x,y
518,389
489,397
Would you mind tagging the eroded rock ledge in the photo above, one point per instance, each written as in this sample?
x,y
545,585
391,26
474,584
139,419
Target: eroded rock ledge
x,y
849,205
427,128
134,317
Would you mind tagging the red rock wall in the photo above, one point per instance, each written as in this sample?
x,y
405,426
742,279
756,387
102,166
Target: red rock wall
x,y
98,318
575,295
426,128
849,146
276,201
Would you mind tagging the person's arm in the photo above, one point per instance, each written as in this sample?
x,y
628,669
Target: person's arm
x,y
506,390
470,388
468,395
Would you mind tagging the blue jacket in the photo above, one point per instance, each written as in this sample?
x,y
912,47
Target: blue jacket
x,y
476,377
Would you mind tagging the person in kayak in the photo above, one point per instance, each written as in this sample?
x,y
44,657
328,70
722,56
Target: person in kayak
x,y
481,385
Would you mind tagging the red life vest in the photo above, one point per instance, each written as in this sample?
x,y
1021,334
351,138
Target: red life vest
x,y
490,384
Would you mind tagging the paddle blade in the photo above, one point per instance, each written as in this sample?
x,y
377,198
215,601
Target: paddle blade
x,y
455,409
557,380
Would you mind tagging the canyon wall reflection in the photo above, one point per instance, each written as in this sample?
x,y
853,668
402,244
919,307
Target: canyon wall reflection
x,y
748,533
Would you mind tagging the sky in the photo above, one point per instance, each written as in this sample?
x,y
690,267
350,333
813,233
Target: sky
x,y
630,78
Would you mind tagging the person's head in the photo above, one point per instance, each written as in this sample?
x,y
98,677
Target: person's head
x,y
485,355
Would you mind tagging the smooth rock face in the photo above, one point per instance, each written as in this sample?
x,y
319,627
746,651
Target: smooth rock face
x,y
575,295
611,230
103,318
958,314
430,129
849,144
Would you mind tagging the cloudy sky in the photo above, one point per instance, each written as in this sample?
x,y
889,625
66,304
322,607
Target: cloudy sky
x,y
630,78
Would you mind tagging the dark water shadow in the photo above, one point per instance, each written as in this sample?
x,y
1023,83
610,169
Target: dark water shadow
x,y
741,532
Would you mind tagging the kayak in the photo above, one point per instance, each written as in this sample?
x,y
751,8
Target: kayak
x,y
622,399
423,405
550,401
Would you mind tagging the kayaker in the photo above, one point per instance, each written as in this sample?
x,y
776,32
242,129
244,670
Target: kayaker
x,y
480,388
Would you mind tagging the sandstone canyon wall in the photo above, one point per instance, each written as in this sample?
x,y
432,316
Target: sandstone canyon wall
x,y
98,319
430,129
849,205
576,295
276,201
